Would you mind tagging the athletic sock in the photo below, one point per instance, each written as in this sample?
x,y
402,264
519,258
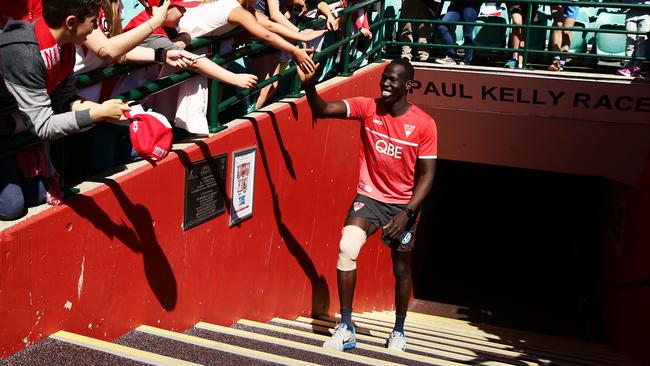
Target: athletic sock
x,y
399,323
346,317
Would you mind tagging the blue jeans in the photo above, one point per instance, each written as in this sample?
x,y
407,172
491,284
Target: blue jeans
x,y
456,12
17,192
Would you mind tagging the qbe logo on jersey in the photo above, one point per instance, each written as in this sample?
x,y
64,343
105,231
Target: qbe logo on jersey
x,y
388,148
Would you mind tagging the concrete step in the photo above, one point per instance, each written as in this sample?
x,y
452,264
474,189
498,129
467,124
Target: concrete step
x,y
443,352
431,341
199,350
500,345
376,351
533,343
65,348
481,351
290,348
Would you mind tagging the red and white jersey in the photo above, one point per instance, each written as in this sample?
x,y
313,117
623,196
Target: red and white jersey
x,y
390,147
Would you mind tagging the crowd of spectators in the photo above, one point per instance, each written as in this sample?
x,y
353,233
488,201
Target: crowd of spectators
x,y
45,43
515,15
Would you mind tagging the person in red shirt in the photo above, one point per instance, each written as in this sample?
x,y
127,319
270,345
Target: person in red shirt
x,y
397,165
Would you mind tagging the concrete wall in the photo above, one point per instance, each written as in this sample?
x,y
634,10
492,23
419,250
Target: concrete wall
x,y
116,257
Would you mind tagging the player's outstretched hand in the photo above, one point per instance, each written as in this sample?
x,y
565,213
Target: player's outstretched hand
x,y
245,81
304,60
307,77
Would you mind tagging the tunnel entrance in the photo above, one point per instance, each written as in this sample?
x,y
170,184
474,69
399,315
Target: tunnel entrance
x,y
516,248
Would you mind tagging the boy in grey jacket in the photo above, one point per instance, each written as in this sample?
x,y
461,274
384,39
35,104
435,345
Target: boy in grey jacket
x,y
38,93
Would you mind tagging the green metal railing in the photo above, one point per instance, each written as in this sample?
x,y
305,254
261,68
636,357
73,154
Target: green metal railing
x,y
380,40
528,26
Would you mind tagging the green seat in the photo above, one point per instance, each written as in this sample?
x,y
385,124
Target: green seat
x,y
610,43
578,39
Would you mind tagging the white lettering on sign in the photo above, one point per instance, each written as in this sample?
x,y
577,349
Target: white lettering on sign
x,y
384,147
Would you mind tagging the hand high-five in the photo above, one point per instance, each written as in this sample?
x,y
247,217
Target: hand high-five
x,y
303,59
307,77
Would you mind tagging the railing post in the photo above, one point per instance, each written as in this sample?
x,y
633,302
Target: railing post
x,y
529,18
295,86
213,107
346,50
380,32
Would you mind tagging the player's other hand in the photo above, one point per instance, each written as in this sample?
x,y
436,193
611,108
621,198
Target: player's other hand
x,y
307,77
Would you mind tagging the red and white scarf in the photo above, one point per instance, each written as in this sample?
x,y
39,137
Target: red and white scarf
x,y
59,62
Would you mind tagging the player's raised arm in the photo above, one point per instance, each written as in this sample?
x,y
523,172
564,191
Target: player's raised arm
x,y
320,108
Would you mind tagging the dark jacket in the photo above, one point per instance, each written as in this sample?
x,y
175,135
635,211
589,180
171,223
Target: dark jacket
x,y
23,90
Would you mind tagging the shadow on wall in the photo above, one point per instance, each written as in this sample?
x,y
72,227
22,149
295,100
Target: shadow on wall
x,y
515,248
320,298
138,234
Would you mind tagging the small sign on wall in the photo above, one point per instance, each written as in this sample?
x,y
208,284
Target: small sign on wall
x,y
204,190
243,184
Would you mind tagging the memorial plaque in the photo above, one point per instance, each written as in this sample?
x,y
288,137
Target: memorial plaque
x,y
205,188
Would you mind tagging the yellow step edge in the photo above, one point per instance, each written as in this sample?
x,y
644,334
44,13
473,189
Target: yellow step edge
x,y
390,318
424,343
542,342
119,350
541,345
430,339
461,355
432,330
293,344
454,323
423,334
452,334
516,332
224,347
382,350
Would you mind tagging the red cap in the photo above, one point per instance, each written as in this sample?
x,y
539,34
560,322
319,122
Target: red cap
x,y
151,134
185,3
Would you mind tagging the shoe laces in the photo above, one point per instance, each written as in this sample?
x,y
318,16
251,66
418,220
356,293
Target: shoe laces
x,y
341,332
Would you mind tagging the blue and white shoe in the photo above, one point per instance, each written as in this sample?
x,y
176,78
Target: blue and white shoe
x,y
397,341
342,339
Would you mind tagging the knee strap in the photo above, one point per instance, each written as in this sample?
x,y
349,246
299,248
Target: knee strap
x,y
352,240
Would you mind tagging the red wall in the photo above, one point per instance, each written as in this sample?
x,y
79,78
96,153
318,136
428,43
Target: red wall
x,y
118,258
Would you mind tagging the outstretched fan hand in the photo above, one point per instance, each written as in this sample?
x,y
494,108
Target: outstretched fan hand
x,y
307,77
